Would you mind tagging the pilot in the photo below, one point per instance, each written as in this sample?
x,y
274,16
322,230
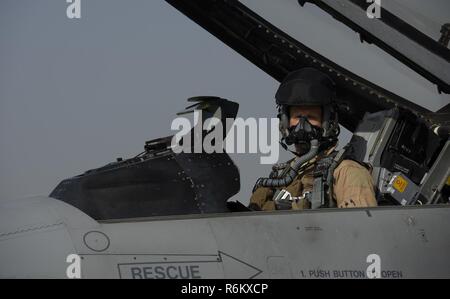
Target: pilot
x,y
318,176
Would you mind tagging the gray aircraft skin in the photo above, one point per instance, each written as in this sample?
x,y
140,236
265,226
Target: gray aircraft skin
x,y
39,234
42,237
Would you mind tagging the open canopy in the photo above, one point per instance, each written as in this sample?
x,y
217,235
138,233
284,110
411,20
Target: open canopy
x,y
277,53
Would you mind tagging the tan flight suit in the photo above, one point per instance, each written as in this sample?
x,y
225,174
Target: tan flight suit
x,y
353,187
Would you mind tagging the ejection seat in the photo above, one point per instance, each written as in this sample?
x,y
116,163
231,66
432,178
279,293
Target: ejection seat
x,y
403,154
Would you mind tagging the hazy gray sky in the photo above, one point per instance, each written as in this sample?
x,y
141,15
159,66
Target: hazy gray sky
x,y
76,94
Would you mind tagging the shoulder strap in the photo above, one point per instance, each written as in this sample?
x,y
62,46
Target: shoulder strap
x,y
319,193
322,195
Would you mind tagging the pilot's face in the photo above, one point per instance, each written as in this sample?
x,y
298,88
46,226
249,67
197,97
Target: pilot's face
x,y
313,113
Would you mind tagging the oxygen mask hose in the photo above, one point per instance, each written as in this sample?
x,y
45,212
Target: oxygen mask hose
x,y
290,175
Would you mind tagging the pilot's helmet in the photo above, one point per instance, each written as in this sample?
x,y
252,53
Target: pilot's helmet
x,y
309,87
